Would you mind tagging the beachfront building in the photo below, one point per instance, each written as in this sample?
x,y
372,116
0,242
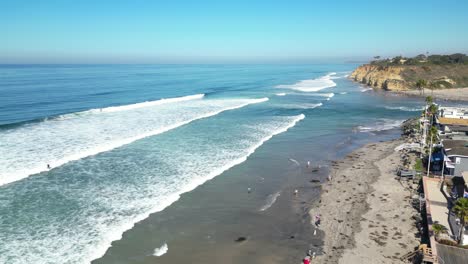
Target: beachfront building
x,y
456,160
453,122
453,112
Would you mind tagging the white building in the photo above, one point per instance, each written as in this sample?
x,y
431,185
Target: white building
x,y
453,112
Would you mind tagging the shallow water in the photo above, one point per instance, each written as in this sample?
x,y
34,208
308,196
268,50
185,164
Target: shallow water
x,y
115,160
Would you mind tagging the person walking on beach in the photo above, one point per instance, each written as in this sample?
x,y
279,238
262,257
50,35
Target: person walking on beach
x,y
317,220
306,260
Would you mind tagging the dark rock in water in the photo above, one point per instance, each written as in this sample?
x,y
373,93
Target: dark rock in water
x,y
314,180
291,237
241,239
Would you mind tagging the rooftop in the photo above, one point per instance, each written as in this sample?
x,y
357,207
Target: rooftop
x,y
453,121
456,147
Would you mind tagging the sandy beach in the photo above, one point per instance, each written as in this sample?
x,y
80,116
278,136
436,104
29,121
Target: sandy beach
x,y
453,94
365,212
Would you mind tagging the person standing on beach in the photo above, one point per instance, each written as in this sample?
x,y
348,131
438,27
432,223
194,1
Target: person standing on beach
x,y
306,260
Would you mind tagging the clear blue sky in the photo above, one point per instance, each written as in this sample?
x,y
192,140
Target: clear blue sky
x,y
159,31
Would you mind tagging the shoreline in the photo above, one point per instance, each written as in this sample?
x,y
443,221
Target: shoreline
x,y
358,228
451,94
446,94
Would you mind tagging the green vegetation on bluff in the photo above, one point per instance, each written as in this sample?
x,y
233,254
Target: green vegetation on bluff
x,y
423,60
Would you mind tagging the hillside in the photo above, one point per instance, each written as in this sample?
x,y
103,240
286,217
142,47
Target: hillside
x,y
397,74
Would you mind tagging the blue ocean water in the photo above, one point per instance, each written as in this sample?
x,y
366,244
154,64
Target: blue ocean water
x,y
125,141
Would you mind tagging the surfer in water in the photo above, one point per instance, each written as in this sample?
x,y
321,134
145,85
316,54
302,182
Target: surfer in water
x,y
48,166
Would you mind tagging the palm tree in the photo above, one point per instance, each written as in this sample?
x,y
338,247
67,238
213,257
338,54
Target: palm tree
x,y
433,134
438,229
433,109
429,100
421,84
461,210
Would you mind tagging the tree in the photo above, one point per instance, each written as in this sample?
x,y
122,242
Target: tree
x,y
397,60
432,134
461,210
421,84
376,57
438,229
429,100
432,109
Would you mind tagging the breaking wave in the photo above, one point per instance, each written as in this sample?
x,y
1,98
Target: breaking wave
x,y
381,125
312,85
404,108
301,106
108,203
32,148
363,90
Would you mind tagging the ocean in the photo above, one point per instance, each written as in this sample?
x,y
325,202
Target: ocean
x,y
155,163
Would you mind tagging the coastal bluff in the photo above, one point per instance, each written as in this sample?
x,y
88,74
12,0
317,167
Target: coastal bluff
x,y
401,74
387,78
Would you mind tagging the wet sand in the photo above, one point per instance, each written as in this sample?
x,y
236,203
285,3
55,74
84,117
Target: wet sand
x,y
365,212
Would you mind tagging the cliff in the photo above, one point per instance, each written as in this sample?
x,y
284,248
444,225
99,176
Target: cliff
x,y
404,77
388,78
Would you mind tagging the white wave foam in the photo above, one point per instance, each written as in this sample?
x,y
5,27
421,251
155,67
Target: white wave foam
x,y
148,103
404,108
96,205
343,92
313,85
271,199
381,125
116,234
295,162
366,90
280,94
160,250
28,150
329,95
301,106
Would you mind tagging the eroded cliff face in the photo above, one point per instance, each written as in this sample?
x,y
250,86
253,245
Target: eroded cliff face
x,y
388,78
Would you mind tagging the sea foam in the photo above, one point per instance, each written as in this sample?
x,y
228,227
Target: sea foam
x,y
312,85
405,108
100,203
160,250
271,199
301,106
381,125
30,148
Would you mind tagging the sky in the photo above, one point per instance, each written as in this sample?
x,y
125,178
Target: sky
x,y
201,31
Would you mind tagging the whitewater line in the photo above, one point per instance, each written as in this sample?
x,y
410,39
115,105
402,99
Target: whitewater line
x,y
107,242
312,85
113,109
14,176
149,103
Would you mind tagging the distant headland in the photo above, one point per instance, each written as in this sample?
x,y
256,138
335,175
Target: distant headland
x,y
414,74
